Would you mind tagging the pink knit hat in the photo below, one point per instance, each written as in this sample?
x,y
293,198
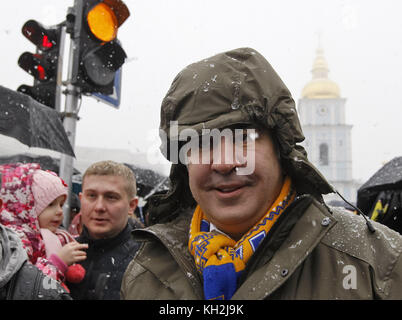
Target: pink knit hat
x,y
46,187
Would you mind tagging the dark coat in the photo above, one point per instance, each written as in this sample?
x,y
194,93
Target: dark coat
x,y
19,279
106,262
30,283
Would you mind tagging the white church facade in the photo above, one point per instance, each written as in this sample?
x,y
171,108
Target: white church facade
x,y
328,137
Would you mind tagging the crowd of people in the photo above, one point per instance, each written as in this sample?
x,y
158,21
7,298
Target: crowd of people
x,y
222,231
87,264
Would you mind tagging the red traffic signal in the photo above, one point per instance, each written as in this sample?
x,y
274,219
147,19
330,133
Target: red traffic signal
x,y
44,64
37,66
44,39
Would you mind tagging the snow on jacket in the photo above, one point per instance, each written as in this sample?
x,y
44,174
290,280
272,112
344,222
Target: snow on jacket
x,y
18,213
313,252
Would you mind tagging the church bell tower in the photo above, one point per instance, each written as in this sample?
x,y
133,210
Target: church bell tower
x,y
328,137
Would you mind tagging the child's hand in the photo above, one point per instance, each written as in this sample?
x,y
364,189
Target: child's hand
x,y
73,252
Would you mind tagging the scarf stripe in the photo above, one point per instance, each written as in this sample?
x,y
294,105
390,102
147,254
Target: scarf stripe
x,y
220,259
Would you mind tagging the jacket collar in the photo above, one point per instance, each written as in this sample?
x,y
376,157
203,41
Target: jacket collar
x,y
314,223
98,243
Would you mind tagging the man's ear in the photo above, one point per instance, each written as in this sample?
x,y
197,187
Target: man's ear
x,y
133,204
80,196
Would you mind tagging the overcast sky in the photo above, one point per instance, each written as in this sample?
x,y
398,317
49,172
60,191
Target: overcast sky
x,y
362,42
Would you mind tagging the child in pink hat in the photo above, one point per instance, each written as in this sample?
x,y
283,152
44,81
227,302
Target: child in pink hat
x,y
33,201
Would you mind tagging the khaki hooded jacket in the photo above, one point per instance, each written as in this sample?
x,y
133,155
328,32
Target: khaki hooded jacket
x,y
312,251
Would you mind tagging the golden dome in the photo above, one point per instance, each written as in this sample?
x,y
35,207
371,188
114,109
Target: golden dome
x,y
320,87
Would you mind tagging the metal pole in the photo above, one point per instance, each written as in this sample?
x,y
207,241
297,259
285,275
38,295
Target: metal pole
x,y
60,67
66,161
70,123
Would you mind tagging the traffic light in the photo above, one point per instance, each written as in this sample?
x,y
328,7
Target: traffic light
x,y
42,65
99,54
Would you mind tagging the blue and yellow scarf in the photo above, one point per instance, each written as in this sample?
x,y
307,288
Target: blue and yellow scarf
x,y
220,259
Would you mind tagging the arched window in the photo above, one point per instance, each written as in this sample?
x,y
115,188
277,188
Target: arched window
x,y
323,154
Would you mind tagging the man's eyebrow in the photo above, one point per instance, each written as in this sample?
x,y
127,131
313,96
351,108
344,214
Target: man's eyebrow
x,y
103,191
112,192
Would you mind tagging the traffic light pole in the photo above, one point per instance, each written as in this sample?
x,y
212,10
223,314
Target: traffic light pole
x,y
60,69
66,161
95,57
70,122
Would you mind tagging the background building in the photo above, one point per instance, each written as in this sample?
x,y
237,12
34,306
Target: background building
x,y
328,137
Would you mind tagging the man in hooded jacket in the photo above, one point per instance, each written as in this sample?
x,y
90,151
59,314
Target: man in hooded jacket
x,y
222,232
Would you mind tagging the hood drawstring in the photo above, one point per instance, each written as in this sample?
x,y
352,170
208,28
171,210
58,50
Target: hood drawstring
x,y
368,223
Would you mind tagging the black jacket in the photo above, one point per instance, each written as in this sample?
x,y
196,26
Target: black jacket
x,y
30,283
107,259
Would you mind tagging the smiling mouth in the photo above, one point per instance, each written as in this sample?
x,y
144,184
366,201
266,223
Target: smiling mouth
x,y
229,189
227,192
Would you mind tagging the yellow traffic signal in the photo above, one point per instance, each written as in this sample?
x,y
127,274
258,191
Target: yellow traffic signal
x,y
98,51
102,22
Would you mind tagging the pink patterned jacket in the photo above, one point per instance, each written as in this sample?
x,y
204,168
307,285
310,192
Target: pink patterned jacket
x,y
18,214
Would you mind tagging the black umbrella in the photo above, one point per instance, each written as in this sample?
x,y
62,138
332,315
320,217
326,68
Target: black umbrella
x,y
148,181
46,162
389,177
381,196
32,123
